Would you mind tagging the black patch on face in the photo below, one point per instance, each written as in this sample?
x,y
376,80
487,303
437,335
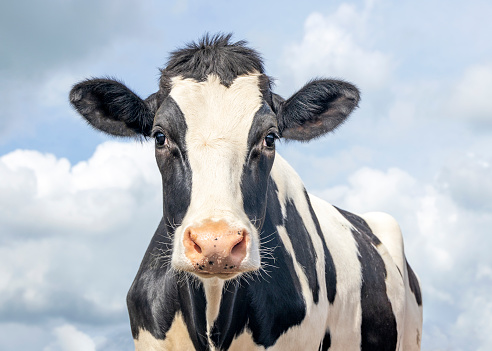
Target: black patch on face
x,y
269,304
170,119
257,166
378,327
156,295
213,55
330,270
326,343
414,284
173,162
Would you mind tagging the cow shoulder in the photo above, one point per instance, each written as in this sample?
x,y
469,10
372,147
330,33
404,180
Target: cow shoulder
x,y
387,230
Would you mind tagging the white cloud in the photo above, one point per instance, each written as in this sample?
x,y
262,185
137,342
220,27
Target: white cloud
x,y
53,194
338,45
370,188
469,181
69,338
73,236
475,320
470,96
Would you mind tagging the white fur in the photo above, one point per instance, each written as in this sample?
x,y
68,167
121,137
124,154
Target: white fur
x,y
213,294
337,231
218,120
177,338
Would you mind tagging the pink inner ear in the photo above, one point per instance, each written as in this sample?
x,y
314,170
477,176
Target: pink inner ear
x,y
306,131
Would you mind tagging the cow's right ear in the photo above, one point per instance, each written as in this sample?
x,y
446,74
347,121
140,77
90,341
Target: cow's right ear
x,y
318,108
111,107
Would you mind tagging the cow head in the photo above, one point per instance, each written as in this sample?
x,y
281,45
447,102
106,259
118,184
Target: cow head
x,y
215,121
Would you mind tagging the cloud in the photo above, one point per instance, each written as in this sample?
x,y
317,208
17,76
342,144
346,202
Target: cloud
x,y
339,45
469,98
468,180
73,236
69,338
52,193
475,320
16,336
370,188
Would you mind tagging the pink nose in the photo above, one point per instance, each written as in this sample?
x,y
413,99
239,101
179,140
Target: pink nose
x,y
215,247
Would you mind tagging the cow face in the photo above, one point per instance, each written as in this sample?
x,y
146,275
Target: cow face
x,y
215,121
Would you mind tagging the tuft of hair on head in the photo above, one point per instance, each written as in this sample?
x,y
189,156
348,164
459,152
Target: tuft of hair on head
x,y
214,54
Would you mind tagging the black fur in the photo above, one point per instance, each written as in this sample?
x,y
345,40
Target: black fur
x,y
326,343
110,106
303,246
257,166
158,294
318,108
414,284
330,270
214,55
378,328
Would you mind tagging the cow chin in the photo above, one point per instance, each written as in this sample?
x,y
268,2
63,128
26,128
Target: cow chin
x,y
204,271
223,276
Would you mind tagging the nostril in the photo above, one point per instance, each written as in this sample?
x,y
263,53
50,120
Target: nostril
x,y
240,247
190,242
197,248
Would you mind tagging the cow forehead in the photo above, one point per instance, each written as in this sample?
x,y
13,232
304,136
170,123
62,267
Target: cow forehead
x,y
213,112
218,121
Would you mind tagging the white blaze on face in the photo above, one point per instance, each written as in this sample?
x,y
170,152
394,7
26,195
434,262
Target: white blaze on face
x,y
218,120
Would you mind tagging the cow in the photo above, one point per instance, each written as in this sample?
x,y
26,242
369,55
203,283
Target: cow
x,y
244,258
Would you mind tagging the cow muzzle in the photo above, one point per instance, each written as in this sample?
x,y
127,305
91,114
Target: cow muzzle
x,y
216,248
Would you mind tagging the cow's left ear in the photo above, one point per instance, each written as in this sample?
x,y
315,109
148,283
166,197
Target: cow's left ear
x,y
318,108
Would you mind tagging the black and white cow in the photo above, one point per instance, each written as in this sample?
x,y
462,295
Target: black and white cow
x,y
244,258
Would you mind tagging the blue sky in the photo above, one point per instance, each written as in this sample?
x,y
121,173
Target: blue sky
x,y
77,208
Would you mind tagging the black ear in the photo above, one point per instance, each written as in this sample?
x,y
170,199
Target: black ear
x,y
277,101
110,106
318,108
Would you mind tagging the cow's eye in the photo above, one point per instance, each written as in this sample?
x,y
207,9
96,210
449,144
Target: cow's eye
x,y
160,139
269,140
